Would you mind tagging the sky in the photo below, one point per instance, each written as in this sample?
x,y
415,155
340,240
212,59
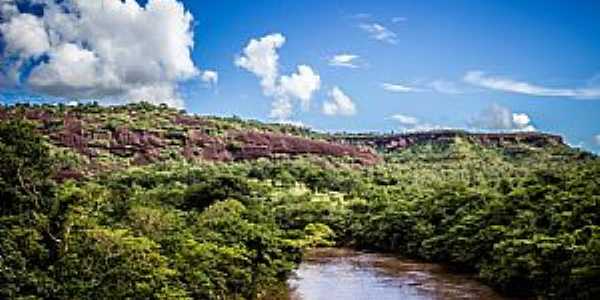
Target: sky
x,y
379,65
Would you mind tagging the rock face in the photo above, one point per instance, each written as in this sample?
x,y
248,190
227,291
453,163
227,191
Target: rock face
x,y
402,141
256,144
190,137
142,134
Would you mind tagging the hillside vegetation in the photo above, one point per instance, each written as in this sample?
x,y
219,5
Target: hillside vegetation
x,y
144,202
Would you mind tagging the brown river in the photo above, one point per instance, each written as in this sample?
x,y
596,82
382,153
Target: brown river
x,y
331,274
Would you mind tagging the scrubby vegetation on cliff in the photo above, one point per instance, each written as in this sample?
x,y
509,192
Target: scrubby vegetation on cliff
x,y
526,219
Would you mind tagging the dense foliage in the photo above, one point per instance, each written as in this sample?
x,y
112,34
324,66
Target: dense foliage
x,y
526,224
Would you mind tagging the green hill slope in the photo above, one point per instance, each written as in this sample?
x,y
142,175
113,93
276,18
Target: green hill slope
x,y
143,202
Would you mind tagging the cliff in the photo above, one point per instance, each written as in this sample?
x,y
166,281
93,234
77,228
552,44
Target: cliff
x,y
106,138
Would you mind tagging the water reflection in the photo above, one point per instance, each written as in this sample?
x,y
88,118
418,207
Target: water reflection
x,y
328,274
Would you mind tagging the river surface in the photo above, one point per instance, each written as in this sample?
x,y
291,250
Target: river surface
x,y
331,274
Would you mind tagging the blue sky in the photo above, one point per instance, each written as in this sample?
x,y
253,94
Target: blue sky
x,y
495,65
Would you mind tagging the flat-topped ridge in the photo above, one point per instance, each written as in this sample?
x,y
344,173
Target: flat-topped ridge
x,y
405,140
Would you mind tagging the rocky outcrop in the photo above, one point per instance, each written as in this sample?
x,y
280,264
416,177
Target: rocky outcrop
x,y
257,144
190,137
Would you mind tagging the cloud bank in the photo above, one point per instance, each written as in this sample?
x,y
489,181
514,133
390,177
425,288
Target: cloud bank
x,y
260,57
99,49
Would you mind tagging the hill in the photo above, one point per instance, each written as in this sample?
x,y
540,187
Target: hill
x,y
166,205
110,138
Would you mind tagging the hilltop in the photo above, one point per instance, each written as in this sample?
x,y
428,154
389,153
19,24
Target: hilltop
x,y
168,205
109,138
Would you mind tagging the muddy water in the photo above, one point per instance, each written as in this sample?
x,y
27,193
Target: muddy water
x,y
330,274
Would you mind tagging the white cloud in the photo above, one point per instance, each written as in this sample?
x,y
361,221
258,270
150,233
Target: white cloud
x,y
480,79
597,139
521,119
210,77
437,86
444,87
398,88
159,92
405,120
281,109
260,57
413,124
338,104
398,19
25,36
70,69
502,118
300,85
8,8
106,49
344,60
379,32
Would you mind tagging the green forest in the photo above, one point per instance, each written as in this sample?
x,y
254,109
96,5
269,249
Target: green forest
x,y
526,223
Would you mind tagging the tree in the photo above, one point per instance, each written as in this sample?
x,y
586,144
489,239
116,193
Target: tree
x,y
25,183
28,235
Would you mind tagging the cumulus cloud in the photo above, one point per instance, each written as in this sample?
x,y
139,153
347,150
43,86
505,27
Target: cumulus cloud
x,y
25,36
69,69
260,57
480,79
398,19
210,77
338,104
498,117
399,88
300,85
379,32
344,60
8,8
521,120
108,49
